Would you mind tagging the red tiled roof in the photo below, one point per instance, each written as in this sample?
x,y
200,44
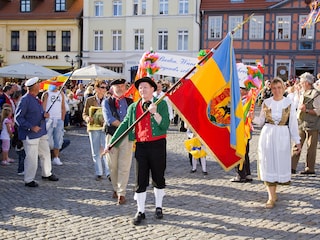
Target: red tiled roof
x,y
44,9
218,5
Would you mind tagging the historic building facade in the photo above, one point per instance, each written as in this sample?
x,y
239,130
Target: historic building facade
x,y
40,32
273,36
117,33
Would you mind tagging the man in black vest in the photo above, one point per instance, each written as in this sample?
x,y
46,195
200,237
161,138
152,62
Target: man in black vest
x,y
119,159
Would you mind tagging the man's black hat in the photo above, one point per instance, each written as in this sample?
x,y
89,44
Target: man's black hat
x,y
145,79
117,81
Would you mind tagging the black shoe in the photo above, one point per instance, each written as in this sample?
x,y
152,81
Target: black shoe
x,y
109,178
31,184
293,171
193,170
158,214
99,178
307,172
138,218
52,177
238,180
204,173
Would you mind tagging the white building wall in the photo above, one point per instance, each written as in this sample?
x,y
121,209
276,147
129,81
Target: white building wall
x,y
151,22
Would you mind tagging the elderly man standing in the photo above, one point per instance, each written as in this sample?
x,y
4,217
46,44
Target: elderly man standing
x,y
119,159
30,118
151,145
309,123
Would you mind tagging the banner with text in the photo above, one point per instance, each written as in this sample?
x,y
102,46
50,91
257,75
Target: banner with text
x,y
175,65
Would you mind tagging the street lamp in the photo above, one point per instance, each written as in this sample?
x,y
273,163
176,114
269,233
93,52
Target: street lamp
x,y
72,61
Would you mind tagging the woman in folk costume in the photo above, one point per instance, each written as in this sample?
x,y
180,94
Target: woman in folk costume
x,y
280,125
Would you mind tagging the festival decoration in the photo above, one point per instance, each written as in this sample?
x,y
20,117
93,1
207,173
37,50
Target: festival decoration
x,y
314,15
148,66
253,84
202,53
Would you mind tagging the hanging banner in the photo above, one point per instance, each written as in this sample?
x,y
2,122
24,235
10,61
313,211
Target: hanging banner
x,y
175,65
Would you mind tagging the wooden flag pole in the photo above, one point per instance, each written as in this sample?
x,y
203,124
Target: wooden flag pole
x,y
174,86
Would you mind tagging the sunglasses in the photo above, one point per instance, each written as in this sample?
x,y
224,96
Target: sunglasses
x,y
103,87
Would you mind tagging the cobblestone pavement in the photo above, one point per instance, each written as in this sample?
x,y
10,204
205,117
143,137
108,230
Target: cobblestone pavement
x,y
195,207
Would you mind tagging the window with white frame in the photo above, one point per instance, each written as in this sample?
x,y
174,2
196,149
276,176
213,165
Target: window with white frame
x,y
98,40
183,6
138,39
143,7
51,41
25,5
183,36
98,8
308,32
66,41
163,7
116,40
215,27
163,40
256,28
282,69
283,27
61,5
135,7
234,21
15,40
117,8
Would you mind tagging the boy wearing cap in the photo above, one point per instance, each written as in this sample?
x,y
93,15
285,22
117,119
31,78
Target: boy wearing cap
x,y
114,109
30,118
150,135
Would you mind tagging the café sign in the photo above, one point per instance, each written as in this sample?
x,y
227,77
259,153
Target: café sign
x,y
50,57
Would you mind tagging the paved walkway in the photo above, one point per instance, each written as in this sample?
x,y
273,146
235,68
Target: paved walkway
x,y
195,207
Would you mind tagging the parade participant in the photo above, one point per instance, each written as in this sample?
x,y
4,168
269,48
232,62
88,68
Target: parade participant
x,y
150,154
95,123
30,118
280,125
159,93
309,123
119,159
53,101
244,172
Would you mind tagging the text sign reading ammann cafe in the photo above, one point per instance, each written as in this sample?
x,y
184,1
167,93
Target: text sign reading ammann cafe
x,y
51,57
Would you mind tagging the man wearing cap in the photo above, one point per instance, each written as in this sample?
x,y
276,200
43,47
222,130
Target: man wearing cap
x,y
150,135
119,159
95,123
30,118
309,123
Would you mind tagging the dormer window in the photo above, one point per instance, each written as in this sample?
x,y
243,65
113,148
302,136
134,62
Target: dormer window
x,y
60,5
25,5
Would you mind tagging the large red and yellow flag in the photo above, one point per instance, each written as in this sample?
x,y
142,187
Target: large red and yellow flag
x,y
211,105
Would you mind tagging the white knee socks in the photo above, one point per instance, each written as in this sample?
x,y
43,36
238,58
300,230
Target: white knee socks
x,y
141,199
158,194
203,164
